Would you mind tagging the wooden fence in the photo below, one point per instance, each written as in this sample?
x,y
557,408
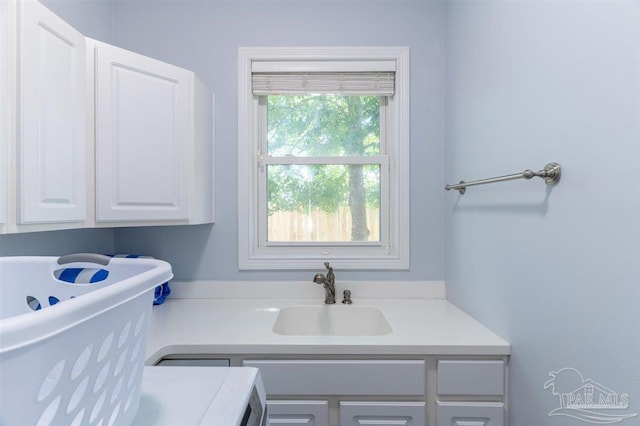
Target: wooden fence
x,y
319,226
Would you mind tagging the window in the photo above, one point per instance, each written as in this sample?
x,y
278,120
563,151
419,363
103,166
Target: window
x,y
323,158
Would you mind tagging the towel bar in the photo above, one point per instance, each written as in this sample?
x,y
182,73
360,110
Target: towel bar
x,y
551,175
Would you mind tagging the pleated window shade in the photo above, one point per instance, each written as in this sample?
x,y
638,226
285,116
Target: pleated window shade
x,y
369,83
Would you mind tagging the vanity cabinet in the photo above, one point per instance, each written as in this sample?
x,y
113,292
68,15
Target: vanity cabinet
x,y
357,390
153,140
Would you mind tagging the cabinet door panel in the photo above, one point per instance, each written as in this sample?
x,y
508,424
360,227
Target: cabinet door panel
x,y
470,413
52,143
382,414
4,110
142,138
298,413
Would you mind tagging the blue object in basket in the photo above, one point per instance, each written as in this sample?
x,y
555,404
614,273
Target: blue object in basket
x,y
161,292
95,275
82,275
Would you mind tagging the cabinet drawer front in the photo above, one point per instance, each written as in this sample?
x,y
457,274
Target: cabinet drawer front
x,y
329,377
298,413
470,377
470,414
383,413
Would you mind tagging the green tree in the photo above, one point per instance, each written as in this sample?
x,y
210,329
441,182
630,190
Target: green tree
x,y
324,126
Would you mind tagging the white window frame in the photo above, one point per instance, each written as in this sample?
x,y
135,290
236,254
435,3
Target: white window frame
x,y
253,253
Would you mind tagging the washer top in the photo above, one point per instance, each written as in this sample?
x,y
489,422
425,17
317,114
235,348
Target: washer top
x,y
186,395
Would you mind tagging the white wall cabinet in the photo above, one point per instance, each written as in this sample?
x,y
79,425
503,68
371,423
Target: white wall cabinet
x,y
51,139
153,141
93,135
6,33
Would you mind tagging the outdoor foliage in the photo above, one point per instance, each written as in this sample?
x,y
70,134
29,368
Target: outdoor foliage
x,y
326,126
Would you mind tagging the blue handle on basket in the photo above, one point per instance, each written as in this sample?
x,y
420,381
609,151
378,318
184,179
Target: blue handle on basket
x,y
82,275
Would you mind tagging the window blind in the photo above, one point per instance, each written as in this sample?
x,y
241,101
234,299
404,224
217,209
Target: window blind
x,y
367,83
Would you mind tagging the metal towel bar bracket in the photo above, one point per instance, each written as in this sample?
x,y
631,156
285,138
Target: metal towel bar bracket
x,y
551,175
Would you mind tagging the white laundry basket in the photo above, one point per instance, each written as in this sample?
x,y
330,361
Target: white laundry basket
x,y
73,354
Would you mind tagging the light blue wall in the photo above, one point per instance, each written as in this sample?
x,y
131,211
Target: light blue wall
x,y
205,36
56,243
91,17
555,272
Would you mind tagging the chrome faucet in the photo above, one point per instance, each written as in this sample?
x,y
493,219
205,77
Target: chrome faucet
x,y
329,284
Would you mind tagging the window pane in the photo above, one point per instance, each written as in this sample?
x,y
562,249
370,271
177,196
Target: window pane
x,y
323,125
318,203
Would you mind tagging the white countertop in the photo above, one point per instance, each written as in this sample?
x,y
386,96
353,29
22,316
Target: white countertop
x,y
243,325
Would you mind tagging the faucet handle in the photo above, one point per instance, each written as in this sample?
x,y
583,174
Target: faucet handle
x,y
347,297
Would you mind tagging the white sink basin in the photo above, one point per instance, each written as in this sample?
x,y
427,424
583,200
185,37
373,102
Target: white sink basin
x,y
331,320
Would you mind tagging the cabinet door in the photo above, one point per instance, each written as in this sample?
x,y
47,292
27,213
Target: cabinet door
x,y
383,413
470,414
51,133
4,111
298,413
143,137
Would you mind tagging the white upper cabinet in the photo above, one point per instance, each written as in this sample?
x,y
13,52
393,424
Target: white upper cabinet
x,y
5,35
154,140
51,139
94,135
